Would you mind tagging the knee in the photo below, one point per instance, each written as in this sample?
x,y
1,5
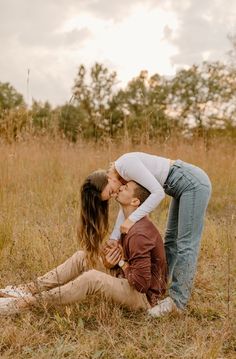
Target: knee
x,y
78,255
78,259
94,280
93,276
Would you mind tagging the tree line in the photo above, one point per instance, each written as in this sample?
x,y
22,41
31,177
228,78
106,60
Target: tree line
x,y
199,101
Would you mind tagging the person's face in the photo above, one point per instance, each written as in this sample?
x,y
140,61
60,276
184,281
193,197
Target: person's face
x,y
112,186
125,195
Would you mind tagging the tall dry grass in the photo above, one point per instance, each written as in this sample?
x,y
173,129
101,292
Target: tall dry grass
x,y
39,196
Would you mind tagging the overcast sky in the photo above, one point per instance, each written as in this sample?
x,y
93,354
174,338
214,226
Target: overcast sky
x,y
53,37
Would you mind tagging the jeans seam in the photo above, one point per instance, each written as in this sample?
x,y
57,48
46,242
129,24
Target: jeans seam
x,y
177,299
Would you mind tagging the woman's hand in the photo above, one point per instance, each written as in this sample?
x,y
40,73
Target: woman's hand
x,y
110,243
111,255
125,227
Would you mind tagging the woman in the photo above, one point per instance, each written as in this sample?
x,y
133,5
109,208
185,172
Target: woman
x,y
60,285
190,189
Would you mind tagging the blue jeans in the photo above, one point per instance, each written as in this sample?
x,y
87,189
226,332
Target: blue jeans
x,y
190,188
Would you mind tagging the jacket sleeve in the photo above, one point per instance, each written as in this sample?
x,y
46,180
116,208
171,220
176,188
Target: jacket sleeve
x,y
138,272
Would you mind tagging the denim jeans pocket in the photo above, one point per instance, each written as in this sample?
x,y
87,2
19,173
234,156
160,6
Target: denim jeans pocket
x,y
173,182
174,179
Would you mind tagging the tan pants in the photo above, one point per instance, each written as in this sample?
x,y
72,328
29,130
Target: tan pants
x,y
72,282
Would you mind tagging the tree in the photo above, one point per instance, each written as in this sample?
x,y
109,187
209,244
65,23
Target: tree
x,y
71,121
203,96
9,97
13,114
141,106
41,115
92,93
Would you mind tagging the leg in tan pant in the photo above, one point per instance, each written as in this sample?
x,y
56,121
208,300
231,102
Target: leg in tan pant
x,y
97,282
72,282
67,271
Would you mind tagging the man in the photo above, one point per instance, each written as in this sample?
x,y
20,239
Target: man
x,y
133,272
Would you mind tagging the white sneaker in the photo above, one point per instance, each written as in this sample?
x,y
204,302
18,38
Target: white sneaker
x,y
12,291
164,307
8,306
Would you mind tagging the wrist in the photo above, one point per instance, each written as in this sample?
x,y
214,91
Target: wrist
x,y
123,264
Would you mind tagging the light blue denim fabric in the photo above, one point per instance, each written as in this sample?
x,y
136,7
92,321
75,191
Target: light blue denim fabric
x,y
190,188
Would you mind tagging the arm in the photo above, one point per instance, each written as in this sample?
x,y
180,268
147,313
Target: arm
x,y
133,169
119,220
138,269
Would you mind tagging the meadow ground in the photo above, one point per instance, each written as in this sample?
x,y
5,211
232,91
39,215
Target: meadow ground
x,y
39,199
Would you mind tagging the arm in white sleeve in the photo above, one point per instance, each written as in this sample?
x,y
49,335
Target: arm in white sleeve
x,y
147,207
135,170
119,220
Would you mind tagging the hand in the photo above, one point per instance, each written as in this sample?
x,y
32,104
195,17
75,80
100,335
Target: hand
x,y
121,251
125,227
111,243
111,256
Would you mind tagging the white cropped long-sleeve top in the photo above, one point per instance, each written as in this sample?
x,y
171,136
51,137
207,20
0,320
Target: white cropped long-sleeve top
x,y
148,170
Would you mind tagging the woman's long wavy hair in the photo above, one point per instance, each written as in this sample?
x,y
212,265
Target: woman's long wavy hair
x,y
93,224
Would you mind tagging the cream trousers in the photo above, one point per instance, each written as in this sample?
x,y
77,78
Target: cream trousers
x,y
72,281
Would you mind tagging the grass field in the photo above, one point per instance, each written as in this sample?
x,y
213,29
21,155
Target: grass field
x,y
39,198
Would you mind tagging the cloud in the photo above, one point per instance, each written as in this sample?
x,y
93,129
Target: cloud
x,y
203,29
32,37
34,34
27,19
77,36
112,10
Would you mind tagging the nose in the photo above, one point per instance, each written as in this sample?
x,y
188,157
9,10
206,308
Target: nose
x,y
121,188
